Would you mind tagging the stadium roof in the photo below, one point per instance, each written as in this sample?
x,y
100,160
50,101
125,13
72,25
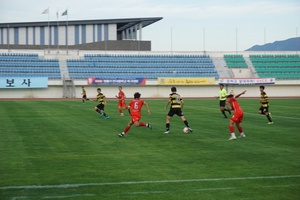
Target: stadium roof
x,y
122,24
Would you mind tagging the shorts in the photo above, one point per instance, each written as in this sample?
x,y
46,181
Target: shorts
x,y
264,109
176,111
84,96
222,103
135,118
100,106
237,117
121,104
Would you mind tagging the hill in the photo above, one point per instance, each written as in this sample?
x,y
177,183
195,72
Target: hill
x,y
292,44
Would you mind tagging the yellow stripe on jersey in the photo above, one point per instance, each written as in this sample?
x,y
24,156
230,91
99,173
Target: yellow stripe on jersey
x,y
175,100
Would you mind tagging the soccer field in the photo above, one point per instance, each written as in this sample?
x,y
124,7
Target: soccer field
x,y
64,150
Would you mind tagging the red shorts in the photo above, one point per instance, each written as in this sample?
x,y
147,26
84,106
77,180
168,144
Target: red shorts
x,y
135,117
121,104
237,117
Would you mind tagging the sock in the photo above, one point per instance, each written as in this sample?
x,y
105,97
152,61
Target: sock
x,y
227,111
126,129
82,101
240,129
167,126
142,124
224,113
269,118
120,111
231,129
104,114
186,123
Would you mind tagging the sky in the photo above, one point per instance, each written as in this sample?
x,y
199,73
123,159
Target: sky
x,y
187,25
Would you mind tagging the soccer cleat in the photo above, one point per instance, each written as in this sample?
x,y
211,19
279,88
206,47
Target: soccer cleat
x,y
242,135
121,135
122,114
270,122
167,132
107,117
232,138
190,129
149,126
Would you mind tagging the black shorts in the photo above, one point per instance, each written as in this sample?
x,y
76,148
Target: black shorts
x,y
100,106
174,111
264,109
84,96
222,103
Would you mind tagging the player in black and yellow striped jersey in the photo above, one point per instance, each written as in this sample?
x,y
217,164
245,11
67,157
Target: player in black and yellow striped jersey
x,y
264,108
102,102
176,108
84,97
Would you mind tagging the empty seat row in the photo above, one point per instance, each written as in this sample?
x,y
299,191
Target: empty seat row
x,y
20,54
274,56
140,65
148,55
18,64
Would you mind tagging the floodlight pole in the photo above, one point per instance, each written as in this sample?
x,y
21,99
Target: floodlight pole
x,y
236,41
296,40
171,40
204,40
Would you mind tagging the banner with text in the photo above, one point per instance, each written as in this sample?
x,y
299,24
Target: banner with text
x,y
247,81
24,82
186,81
116,81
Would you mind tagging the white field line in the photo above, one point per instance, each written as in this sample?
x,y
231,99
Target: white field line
x,y
143,182
54,197
151,192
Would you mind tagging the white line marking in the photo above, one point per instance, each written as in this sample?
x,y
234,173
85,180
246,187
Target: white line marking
x,y
68,196
54,197
196,190
20,197
143,182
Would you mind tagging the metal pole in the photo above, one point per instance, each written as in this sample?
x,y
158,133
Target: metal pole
x,y
204,40
297,44
265,37
7,37
67,31
236,41
49,30
57,13
171,40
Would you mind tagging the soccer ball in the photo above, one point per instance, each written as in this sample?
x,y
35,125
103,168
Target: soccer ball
x,y
186,130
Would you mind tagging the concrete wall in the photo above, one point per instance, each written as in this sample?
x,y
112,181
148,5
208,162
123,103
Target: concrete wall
x,y
154,91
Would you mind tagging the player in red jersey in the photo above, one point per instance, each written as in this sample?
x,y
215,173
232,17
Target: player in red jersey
x,y
121,104
134,109
237,118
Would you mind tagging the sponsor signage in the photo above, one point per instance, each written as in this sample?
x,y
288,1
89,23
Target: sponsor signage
x,y
116,81
186,81
23,82
247,81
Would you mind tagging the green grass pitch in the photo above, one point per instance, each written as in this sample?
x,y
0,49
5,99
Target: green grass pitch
x,y
64,150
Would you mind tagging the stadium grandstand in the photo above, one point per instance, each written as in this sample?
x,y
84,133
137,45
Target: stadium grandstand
x,y
69,53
